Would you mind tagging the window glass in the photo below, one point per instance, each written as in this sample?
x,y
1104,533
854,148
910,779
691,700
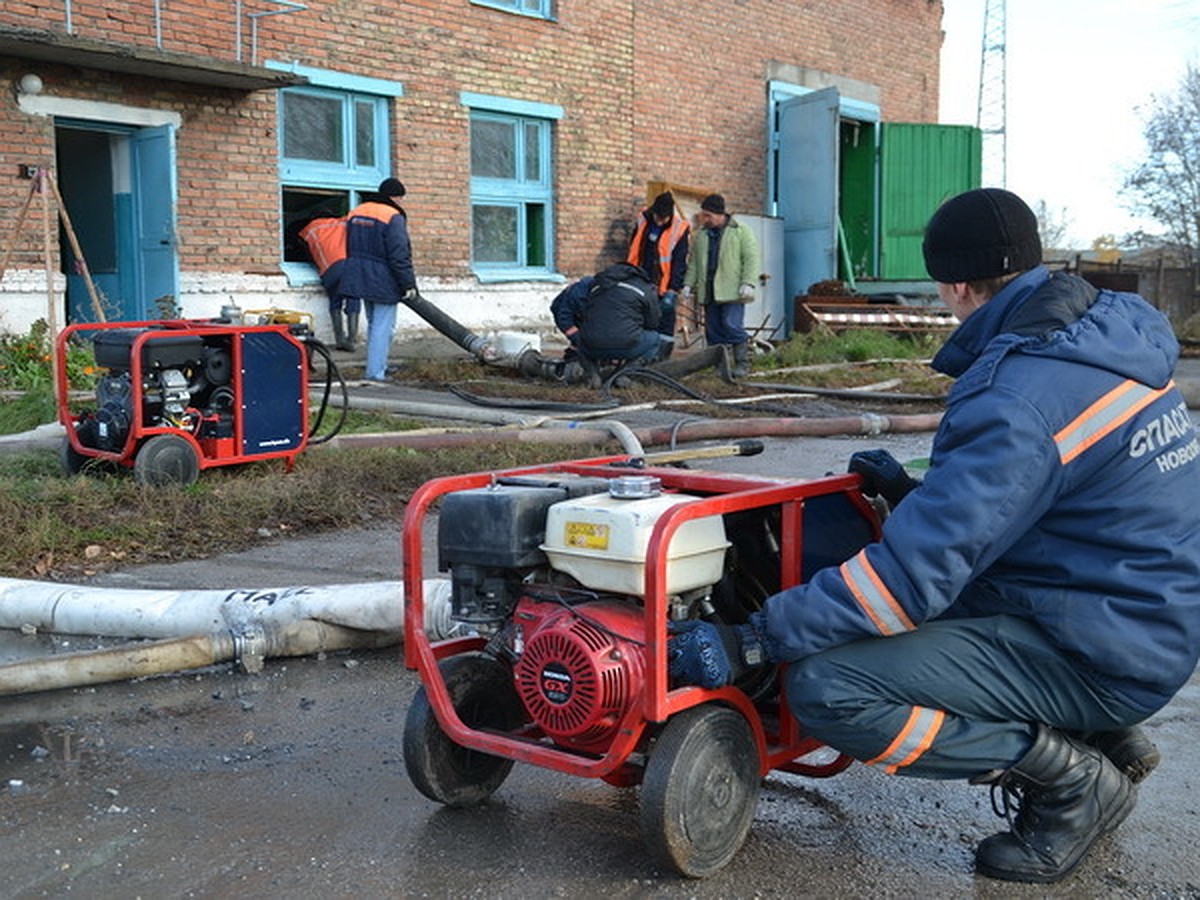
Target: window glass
x,y
493,148
312,127
542,8
533,151
511,195
494,233
364,133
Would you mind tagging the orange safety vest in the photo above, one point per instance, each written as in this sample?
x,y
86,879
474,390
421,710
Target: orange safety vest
x,y
670,236
326,240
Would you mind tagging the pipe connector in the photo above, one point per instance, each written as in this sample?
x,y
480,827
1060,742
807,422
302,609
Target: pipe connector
x,y
250,649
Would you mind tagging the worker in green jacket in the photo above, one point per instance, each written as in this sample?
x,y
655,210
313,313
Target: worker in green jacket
x,y
721,273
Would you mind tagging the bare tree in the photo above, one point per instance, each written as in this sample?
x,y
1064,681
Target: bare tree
x,y
1052,226
1165,186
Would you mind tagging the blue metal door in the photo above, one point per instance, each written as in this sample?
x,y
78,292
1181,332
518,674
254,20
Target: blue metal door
x,y
806,181
154,191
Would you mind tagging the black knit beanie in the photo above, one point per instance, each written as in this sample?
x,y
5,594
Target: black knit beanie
x,y
391,187
981,234
663,206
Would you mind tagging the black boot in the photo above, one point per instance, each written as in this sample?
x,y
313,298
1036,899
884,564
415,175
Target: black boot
x,y
741,360
1070,795
339,330
1129,749
351,332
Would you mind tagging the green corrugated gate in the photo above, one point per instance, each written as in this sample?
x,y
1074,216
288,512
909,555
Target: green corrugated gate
x,y
920,166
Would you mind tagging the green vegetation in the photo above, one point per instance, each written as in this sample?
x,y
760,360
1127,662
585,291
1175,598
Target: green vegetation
x,y
25,361
76,526
852,346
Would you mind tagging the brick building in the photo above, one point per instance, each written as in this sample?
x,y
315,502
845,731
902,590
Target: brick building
x,y
529,134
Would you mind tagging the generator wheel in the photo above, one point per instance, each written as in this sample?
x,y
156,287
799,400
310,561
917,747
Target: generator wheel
x,y
73,462
700,790
481,690
166,459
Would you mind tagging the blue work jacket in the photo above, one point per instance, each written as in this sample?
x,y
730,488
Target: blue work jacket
x,y
1063,488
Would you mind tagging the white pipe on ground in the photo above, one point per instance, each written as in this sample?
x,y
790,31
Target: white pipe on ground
x,y
117,612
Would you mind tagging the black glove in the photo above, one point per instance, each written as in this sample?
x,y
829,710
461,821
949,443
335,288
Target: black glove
x,y
711,655
882,475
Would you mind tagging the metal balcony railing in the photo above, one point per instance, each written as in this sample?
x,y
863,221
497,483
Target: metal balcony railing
x,y
241,16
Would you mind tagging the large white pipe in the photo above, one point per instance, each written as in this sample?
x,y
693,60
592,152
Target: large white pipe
x,y
117,612
180,654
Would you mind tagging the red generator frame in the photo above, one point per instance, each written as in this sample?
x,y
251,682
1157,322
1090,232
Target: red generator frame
x,y
670,739
177,396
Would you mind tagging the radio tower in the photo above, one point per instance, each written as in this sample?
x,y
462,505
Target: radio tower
x,y
992,110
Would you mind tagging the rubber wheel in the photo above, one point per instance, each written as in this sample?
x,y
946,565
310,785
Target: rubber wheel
x,y
482,693
74,462
166,459
700,790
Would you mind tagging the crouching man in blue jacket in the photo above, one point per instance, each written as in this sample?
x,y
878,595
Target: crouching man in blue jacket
x,y
1038,594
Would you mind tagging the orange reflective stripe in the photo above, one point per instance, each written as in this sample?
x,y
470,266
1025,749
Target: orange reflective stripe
x,y
914,739
1104,416
873,596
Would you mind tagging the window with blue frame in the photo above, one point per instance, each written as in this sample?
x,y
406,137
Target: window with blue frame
x,y
511,194
543,9
333,148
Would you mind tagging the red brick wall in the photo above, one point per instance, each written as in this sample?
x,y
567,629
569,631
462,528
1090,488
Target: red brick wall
x,y
672,90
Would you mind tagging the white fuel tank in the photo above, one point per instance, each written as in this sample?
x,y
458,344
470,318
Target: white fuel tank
x,y
601,541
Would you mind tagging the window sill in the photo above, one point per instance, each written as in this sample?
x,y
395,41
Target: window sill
x,y
496,276
300,274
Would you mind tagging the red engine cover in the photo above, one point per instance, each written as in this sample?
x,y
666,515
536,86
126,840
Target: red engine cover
x,y
581,668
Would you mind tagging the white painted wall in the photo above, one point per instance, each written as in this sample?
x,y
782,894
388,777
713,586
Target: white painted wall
x,y
521,306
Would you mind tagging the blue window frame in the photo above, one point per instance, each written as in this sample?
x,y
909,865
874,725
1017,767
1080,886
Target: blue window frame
x,y
333,147
512,188
542,9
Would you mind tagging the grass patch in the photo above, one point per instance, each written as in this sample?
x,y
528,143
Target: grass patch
x,y
852,346
72,527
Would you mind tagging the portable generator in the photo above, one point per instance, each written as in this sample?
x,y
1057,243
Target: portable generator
x,y
177,396
563,580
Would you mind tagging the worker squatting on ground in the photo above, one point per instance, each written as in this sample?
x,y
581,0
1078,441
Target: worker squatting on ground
x,y
612,315
1038,594
660,247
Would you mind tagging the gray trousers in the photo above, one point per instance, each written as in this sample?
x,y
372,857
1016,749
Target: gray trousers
x,y
955,698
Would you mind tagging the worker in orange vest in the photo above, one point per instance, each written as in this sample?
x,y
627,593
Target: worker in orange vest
x,y
660,247
325,238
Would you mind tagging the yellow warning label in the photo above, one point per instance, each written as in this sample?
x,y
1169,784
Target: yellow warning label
x,y
587,535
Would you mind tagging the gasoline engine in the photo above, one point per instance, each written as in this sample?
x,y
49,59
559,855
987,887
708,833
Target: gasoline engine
x,y
185,384
552,570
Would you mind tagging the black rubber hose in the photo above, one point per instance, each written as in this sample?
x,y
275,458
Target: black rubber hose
x,y
331,372
447,325
544,405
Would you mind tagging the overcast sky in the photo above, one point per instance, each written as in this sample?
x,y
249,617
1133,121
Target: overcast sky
x,y
1077,71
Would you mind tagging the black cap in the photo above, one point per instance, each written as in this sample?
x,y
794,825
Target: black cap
x,y
981,234
392,187
713,203
663,206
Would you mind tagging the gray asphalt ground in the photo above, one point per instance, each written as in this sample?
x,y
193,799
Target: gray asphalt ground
x,y
290,782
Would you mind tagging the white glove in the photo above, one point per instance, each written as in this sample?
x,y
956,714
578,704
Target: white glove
x,y
746,292
410,294
686,293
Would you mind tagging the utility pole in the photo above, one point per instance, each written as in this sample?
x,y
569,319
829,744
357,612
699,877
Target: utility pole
x,y
992,110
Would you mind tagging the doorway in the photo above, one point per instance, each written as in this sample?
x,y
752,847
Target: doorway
x,y
118,185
